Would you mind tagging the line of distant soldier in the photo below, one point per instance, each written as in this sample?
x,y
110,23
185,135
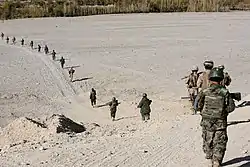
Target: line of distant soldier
x,y
144,104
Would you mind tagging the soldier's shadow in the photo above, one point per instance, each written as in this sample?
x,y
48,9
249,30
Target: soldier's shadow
x,y
238,160
125,118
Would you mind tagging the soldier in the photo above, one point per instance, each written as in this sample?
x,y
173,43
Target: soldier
x,y
93,97
53,55
113,107
39,48
62,61
7,40
192,84
14,40
145,107
71,73
46,49
227,79
2,35
202,81
215,103
22,42
31,44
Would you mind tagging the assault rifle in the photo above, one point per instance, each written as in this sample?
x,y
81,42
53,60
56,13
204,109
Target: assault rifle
x,y
236,96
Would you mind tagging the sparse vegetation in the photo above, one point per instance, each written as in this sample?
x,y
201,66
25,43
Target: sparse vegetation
x,y
66,8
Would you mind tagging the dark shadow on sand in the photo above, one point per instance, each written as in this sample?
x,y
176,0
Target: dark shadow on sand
x,y
82,79
118,119
238,160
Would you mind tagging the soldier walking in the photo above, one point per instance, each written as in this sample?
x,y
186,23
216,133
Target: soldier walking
x,y
227,79
62,61
192,84
53,55
215,103
2,35
39,48
71,73
31,44
144,105
14,40
7,40
46,49
202,81
93,97
22,42
113,107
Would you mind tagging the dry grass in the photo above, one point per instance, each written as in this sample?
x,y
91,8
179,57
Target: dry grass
x,y
63,8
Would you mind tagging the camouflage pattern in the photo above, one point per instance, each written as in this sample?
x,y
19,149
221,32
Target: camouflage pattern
x,y
192,85
144,105
93,97
214,128
113,107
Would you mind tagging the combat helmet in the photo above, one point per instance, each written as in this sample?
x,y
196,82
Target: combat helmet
x,y
144,95
208,64
216,74
195,68
222,67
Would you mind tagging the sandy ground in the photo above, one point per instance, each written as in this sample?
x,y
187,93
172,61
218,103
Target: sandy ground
x,y
122,56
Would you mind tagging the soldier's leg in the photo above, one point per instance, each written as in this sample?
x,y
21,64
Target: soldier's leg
x,y
207,143
219,146
147,116
143,116
94,102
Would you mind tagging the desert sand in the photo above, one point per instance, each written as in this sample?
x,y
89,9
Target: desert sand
x,y
121,56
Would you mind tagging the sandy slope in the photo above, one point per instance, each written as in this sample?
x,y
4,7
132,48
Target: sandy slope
x,y
122,56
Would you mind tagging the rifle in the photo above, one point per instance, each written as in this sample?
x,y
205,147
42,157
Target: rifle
x,y
236,96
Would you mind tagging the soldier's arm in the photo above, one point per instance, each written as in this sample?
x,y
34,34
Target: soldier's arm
x,y
230,105
140,104
200,101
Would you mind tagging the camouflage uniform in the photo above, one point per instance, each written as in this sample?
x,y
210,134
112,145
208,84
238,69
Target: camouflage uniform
x,y
93,97
202,82
113,107
215,103
227,79
192,84
145,107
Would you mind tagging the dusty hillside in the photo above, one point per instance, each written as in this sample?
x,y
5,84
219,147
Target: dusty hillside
x,y
121,56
